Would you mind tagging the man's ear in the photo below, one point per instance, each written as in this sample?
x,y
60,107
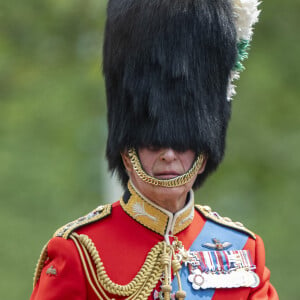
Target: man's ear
x,y
126,161
202,169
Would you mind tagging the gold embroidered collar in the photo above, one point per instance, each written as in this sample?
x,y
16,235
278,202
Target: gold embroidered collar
x,y
152,216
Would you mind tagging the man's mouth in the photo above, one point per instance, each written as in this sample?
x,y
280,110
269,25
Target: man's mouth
x,y
166,175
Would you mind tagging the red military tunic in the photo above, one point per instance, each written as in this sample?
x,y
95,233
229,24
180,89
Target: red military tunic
x,y
113,242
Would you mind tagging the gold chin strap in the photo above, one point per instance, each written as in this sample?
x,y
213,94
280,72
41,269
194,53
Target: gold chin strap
x,y
173,182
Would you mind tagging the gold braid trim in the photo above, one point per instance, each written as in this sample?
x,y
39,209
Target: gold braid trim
x,y
173,182
207,212
97,214
40,265
86,270
142,284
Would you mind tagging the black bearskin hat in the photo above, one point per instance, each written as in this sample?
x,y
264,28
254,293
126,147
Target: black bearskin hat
x,y
167,67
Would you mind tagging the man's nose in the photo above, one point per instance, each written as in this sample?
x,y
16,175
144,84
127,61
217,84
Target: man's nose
x,y
168,155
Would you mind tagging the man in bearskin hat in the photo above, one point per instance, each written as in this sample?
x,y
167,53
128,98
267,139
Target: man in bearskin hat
x,y
168,66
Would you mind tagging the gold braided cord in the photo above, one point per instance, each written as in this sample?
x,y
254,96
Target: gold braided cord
x,y
87,271
149,284
141,294
40,265
176,266
142,284
165,260
173,182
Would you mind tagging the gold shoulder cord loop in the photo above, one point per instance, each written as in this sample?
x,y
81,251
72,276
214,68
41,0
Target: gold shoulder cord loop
x,y
158,261
173,182
139,288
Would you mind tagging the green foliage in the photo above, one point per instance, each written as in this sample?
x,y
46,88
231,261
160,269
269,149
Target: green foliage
x,y
53,131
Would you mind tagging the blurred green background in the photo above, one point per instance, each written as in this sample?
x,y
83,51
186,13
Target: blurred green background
x,y
53,131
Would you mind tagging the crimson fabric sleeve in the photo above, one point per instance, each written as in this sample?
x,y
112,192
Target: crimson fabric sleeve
x,y
66,281
265,290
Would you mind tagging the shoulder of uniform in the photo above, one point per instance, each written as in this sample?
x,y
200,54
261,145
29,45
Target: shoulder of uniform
x,y
97,214
207,212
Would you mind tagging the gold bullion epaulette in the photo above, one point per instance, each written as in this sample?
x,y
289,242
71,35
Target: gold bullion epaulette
x,y
97,214
207,212
65,231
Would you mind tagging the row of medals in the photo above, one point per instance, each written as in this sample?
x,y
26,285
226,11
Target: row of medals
x,y
239,277
232,279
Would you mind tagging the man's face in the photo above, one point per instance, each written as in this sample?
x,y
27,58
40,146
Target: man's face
x,y
165,163
162,163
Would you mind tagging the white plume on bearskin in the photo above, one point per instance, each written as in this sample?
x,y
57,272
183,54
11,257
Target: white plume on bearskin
x,y
246,14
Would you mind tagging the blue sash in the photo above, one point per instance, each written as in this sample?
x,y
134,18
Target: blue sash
x,y
209,231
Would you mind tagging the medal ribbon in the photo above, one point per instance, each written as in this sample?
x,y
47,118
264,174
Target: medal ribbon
x,y
220,261
210,230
